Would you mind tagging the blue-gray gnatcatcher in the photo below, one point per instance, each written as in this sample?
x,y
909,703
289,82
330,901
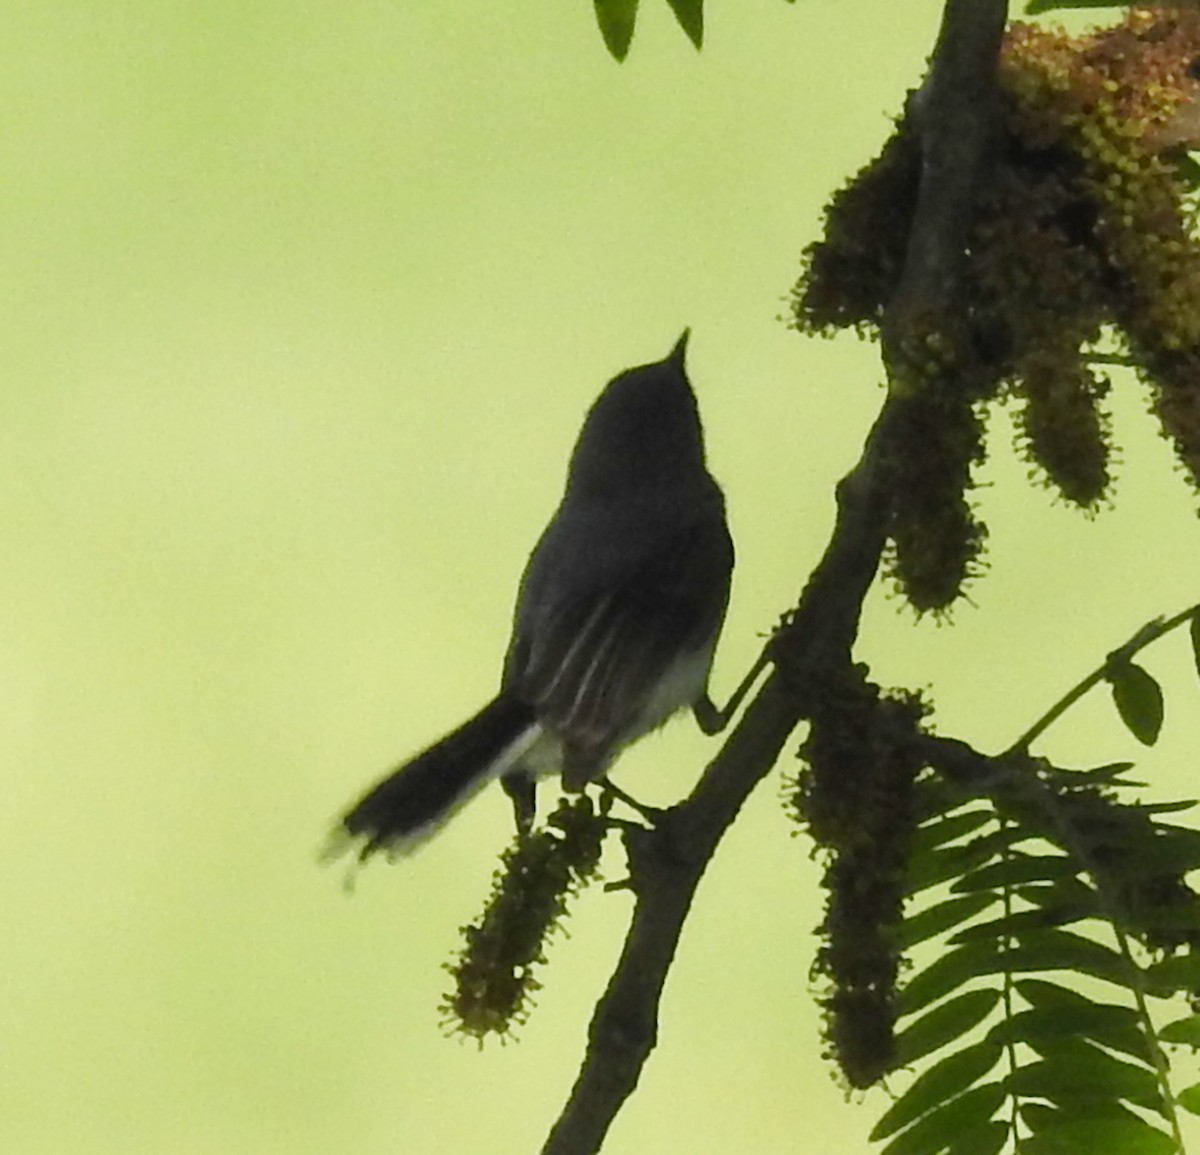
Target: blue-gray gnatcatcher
x,y
616,621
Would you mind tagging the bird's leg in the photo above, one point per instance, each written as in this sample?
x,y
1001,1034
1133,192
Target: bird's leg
x,y
522,790
611,790
710,718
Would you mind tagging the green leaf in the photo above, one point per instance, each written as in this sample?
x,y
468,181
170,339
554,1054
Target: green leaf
x,y
1169,848
1040,1027
1185,1031
937,797
1022,922
933,798
930,1134
1052,996
1018,869
1139,701
1073,892
1102,1128
1180,972
1039,1117
1088,1136
1189,1099
946,973
690,14
945,829
947,1078
947,1021
1172,830
986,1140
948,862
1051,950
1175,807
1178,919
1068,1053
937,919
617,19
1080,1073
1094,776
1046,950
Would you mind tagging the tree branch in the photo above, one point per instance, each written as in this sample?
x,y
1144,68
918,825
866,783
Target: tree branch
x,y
956,115
665,864
815,642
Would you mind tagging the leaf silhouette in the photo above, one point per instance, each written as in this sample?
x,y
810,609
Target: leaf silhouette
x,y
1139,701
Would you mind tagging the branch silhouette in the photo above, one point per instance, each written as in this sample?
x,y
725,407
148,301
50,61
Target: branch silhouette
x,y
811,650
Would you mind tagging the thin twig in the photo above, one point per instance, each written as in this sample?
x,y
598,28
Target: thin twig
x,y
1150,632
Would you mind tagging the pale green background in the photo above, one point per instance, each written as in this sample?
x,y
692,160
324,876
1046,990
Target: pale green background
x,y
302,306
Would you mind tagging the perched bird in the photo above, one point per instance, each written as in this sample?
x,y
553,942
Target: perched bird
x,y
617,617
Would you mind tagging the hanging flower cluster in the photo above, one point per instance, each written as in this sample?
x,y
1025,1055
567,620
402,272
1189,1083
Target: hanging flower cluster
x,y
495,972
856,797
1083,227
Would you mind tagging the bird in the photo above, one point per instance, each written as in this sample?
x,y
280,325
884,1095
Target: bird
x,y
616,622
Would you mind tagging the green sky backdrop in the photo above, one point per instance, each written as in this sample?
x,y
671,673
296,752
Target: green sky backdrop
x,y
302,306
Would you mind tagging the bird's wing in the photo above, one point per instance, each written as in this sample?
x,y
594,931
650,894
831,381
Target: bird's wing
x,y
596,634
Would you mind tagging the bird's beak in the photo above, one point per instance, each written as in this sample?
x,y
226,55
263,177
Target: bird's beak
x,y
677,354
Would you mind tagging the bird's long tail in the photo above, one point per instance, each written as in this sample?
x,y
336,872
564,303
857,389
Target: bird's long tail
x,y
412,803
